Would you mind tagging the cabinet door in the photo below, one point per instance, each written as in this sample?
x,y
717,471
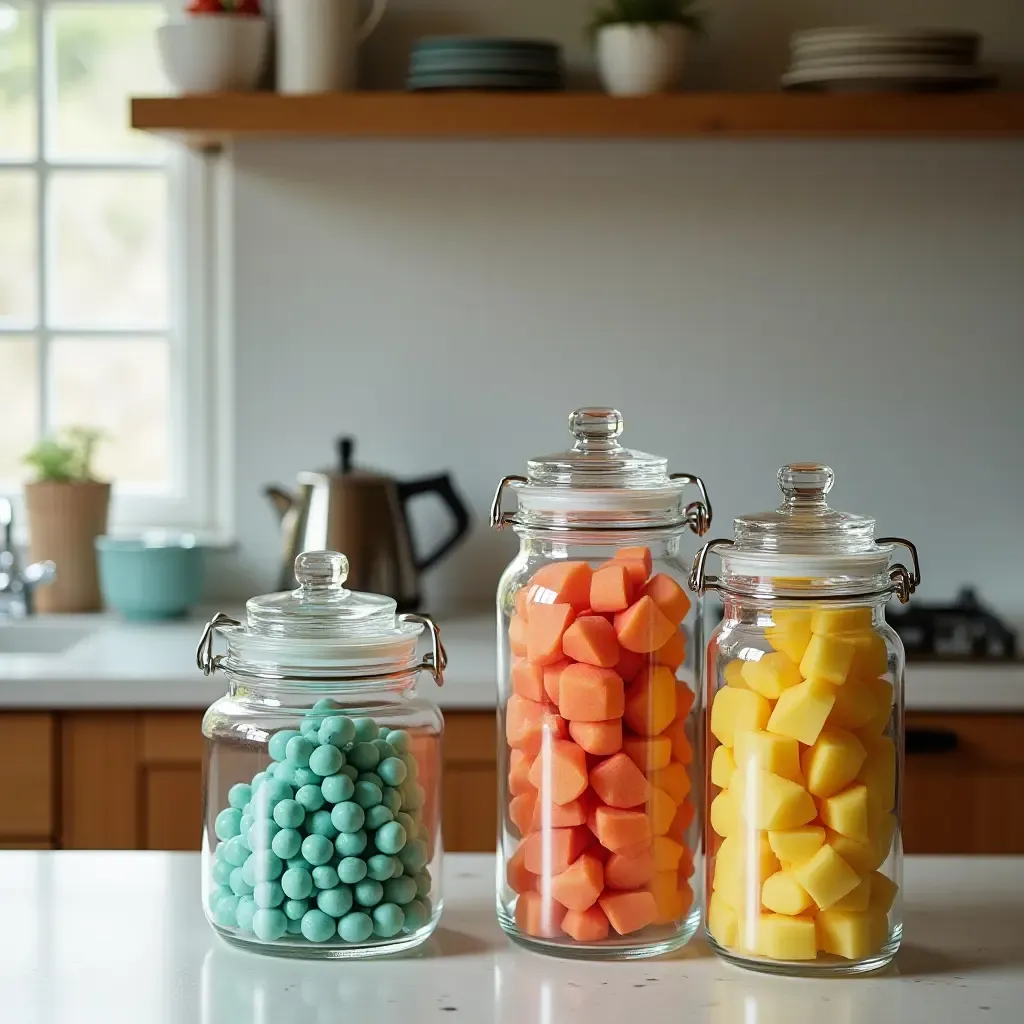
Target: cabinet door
x,y
470,815
28,779
964,784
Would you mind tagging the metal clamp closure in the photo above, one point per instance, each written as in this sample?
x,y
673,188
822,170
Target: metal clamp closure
x,y
437,660
499,519
903,580
698,513
206,660
699,580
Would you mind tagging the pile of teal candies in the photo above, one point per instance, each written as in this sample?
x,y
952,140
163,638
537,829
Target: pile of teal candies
x,y
327,842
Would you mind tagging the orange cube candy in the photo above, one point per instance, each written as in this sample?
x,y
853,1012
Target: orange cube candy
x,y
672,898
618,782
682,821
590,694
579,886
520,810
630,663
674,779
651,701
661,809
553,850
552,675
668,854
528,723
517,636
633,871
519,879
539,917
561,583
669,596
618,829
648,753
548,814
642,627
559,771
638,562
519,773
611,589
628,912
591,639
528,679
599,738
544,631
588,925
672,653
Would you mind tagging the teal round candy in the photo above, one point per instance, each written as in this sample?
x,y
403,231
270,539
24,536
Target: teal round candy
x,y
423,833
351,870
356,927
226,824
349,770
399,740
392,771
286,843
377,816
317,849
221,872
218,850
285,772
348,817
297,883
371,777
366,730
294,909
400,890
245,823
298,750
337,902
320,823
325,876
407,821
337,730
310,728
397,868
277,747
239,795
413,856
317,926
390,838
304,777
326,704
428,906
423,883
268,866
240,886
387,920
379,867
310,798
326,760
262,833
337,789
269,924
225,914
244,913
363,756
413,796
298,862
289,814
411,766
216,895
415,915
392,799
236,851
294,927
249,872
368,893
351,844
269,795
367,795
268,894
384,749
257,781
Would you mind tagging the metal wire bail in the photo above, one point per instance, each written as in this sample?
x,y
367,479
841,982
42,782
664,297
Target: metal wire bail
x,y
206,660
698,513
499,520
699,580
437,660
903,580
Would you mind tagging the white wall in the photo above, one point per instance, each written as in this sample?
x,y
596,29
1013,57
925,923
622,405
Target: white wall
x,y
744,304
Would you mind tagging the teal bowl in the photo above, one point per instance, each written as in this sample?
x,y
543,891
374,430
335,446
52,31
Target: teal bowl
x,y
150,577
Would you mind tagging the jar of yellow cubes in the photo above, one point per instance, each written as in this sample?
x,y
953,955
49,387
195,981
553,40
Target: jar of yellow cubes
x,y
804,743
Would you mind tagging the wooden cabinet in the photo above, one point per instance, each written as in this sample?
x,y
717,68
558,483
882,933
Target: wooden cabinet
x,y
133,780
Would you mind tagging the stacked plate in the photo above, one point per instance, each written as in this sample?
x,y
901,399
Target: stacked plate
x,y
476,62
885,59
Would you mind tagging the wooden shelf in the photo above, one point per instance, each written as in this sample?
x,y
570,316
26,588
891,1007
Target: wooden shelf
x,y
205,120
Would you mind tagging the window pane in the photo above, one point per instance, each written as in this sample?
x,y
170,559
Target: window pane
x,y
17,83
18,252
20,406
121,386
104,55
109,249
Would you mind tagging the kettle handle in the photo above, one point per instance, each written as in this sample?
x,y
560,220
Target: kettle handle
x,y
442,486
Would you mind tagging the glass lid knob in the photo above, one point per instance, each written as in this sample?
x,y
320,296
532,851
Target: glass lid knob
x,y
321,570
595,428
806,483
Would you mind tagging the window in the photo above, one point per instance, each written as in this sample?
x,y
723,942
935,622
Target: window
x,y
103,250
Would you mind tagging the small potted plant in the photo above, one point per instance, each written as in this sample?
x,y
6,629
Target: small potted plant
x,y
641,44
67,510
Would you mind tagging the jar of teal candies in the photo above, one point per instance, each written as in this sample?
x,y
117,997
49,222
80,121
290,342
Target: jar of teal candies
x,y
322,798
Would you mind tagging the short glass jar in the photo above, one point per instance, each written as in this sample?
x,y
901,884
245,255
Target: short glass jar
x,y
804,741
597,667
322,797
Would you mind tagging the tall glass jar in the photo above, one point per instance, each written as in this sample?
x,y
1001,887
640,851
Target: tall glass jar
x,y
322,798
597,652
805,738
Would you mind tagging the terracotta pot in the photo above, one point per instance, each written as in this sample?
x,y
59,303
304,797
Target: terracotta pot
x,y
64,520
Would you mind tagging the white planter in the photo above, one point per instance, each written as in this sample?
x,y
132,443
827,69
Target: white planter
x,y
635,60
214,52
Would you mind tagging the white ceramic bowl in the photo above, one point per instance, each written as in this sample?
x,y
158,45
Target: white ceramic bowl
x,y
214,52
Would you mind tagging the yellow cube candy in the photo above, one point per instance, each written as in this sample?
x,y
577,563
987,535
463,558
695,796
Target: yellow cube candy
x,y
742,864
795,845
769,752
878,771
827,621
860,856
792,618
787,938
847,812
883,892
733,674
791,641
857,899
855,705
881,841
828,658
734,709
722,766
801,710
851,934
833,761
721,920
827,877
871,657
768,801
724,814
771,674
881,694
783,894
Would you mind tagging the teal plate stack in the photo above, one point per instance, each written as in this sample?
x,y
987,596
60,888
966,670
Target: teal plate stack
x,y
482,62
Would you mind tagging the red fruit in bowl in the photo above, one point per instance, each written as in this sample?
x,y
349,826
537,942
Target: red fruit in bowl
x,y
205,7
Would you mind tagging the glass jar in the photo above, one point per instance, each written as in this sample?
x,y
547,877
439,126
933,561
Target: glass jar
x,y
322,799
804,738
598,642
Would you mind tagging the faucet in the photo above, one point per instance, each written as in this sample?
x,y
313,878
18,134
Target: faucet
x,y
17,585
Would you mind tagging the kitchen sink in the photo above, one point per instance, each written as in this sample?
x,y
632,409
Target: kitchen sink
x,y
39,637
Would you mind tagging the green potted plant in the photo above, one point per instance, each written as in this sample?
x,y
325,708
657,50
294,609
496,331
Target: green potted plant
x,y
67,510
641,45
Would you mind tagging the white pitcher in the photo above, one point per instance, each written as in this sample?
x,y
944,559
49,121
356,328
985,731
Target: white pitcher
x,y
318,43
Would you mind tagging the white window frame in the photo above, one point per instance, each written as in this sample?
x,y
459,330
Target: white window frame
x,y
199,495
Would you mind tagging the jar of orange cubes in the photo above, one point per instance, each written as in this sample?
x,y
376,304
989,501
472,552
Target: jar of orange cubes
x,y
598,642
804,738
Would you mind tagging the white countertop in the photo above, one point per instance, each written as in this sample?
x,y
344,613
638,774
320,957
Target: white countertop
x,y
152,665
106,938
